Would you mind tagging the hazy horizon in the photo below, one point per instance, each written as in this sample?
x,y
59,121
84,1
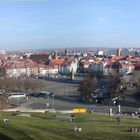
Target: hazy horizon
x,y
45,24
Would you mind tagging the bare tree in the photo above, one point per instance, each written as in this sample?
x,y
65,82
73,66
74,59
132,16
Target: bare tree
x,y
6,85
116,80
31,85
86,87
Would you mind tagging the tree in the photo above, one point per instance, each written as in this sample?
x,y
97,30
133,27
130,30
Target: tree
x,y
86,87
30,85
116,79
6,85
136,75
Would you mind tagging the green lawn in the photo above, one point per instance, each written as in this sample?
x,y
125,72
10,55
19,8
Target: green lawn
x,y
46,127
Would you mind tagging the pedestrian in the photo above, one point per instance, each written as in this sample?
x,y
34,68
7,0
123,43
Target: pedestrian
x,y
118,120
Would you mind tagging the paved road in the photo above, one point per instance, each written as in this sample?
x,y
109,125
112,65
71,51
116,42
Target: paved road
x,y
36,104
65,98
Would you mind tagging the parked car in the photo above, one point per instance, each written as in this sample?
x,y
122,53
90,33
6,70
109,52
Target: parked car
x,y
17,95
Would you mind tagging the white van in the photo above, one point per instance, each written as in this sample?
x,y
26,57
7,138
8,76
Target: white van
x,y
17,95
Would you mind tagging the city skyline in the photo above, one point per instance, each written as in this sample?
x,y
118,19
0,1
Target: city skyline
x,y
75,23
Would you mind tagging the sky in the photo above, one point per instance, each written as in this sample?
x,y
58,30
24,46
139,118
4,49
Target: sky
x,y
39,24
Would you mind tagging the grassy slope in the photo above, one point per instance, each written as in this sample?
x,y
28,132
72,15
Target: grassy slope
x,y
45,127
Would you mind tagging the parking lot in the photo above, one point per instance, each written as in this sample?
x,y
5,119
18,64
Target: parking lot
x,y
66,95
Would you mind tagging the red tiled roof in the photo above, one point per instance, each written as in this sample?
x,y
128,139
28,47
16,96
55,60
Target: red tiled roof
x,y
113,64
51,67
117,57
57,61
126,65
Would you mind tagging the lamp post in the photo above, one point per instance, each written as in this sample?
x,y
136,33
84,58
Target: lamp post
x,y
53,101
119,109
47,104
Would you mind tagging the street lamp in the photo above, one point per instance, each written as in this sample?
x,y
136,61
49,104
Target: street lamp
x,y
53,100
48,101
